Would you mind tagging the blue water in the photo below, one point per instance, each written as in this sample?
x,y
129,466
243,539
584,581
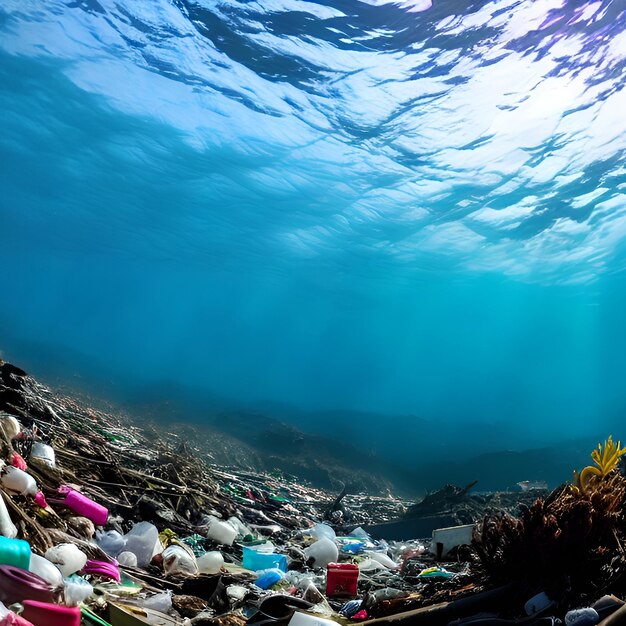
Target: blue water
x,y
369,205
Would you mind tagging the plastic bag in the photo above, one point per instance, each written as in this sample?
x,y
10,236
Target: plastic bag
x,y
177,560
383,559
47,570
142,541
127,559
210,562
67,557
323,530
161,602
76,590
10,425
111,542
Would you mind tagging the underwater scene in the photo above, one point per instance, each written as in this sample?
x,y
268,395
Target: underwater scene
x,y
378,243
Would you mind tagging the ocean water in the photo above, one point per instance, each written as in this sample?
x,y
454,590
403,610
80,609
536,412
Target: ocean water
x,y
401,208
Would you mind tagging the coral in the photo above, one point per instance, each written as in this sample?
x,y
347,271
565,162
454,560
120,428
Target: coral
x,y
573,539
606,459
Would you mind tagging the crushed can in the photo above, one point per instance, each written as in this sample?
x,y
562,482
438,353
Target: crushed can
x,y
342,580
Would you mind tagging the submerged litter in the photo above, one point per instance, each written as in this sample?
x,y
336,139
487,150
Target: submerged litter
x,y
111,524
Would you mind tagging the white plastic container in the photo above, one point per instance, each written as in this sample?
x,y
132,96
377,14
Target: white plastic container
x,y
142,540
15,479
47,570
323,551
210,562
43,453
220,532
177,560
67,557
7,527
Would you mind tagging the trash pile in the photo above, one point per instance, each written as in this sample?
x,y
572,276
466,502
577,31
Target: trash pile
x,y
106,522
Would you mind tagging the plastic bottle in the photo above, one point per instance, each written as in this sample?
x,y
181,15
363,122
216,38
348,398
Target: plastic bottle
x,y
176,560
7,527
43,453
18,480
210,562
111,542
141,540
82,505
268,577
67,557
220,532
47,570
323,552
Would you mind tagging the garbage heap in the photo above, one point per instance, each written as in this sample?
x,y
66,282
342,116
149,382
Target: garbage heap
x,y
106,522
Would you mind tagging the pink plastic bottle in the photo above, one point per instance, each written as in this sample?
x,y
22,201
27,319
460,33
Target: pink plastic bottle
x,y
82,505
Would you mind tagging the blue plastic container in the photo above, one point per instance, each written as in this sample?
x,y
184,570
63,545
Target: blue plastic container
x,y
256,561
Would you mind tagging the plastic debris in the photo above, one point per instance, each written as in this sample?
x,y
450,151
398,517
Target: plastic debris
x,y
67,557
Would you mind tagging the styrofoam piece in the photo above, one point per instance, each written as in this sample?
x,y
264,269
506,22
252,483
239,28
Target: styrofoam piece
x,y
304,619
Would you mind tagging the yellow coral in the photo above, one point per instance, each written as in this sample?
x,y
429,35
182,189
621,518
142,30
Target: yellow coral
x,y
605,458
